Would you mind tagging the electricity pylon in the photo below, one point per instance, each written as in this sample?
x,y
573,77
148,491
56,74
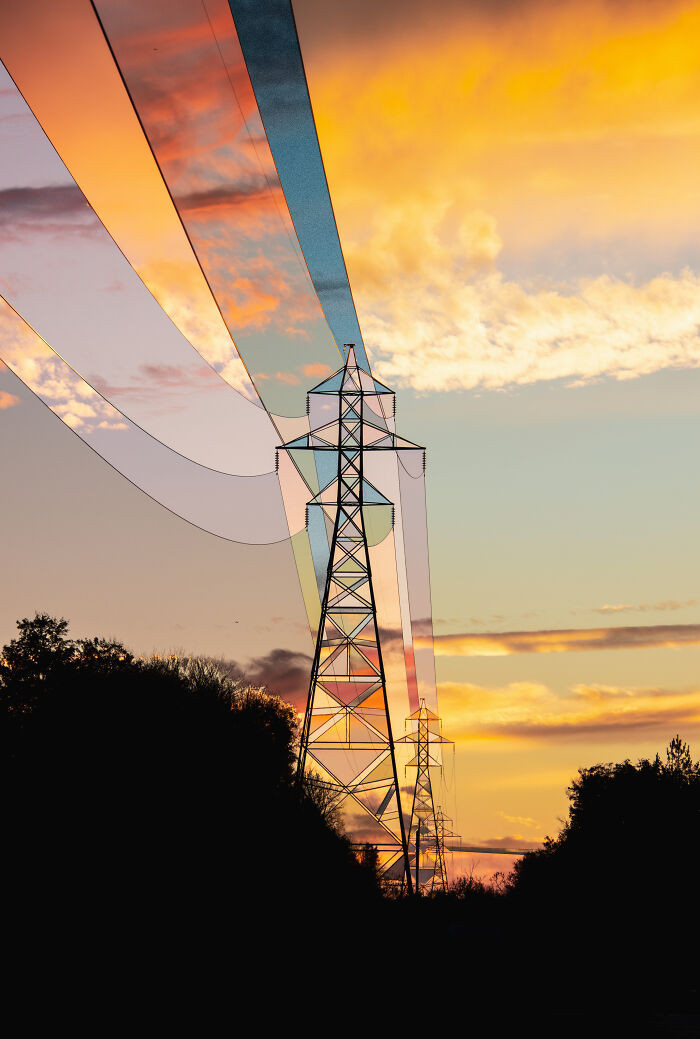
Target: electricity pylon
x,y
346,737
441,831
426,845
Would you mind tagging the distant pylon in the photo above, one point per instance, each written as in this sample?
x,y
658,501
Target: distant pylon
x,y
426,848
441,831
346,737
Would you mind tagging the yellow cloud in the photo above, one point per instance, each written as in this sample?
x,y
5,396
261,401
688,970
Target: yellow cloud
x,y
521,820
529,711
466,143
471,110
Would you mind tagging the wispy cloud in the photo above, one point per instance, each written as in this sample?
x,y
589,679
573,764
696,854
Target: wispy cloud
x,y
254,195
527,710
511,842
521,820
52,202
172,379
50,209
8,400
507,643
645,607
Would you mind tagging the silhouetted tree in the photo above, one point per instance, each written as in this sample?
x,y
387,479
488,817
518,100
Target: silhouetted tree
x,y
154,800
324,797
622,872
369,858
101,655
41,650
679,761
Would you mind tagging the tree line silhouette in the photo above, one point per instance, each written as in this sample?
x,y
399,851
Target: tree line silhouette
x,y
152,803
598,929
156,798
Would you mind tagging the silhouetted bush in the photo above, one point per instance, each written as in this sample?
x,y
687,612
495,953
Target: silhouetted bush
x,y
618,888
597,932
154,802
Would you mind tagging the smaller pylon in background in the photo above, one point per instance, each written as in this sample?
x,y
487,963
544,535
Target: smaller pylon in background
x,y
426,854
441,831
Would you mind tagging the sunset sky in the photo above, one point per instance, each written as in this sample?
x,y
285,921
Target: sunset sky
x,y
515,187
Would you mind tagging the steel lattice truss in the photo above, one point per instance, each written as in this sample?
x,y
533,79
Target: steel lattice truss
x,y
426,844
442,830
347,735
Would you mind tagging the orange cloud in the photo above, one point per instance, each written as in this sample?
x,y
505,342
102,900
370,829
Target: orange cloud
x,y
106,152
463,146
316,371
470,111
101,143
181,291
251,205
507,643
8,400
525,710
188,80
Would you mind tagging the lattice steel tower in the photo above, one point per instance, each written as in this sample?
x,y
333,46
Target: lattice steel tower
x,y
346,737
441,831
426,845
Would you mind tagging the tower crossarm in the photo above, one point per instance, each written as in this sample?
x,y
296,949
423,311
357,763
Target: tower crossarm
x,y
315,441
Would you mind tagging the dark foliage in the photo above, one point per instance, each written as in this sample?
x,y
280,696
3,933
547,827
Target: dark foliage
x,y
152,804
618,887
600,926
151,817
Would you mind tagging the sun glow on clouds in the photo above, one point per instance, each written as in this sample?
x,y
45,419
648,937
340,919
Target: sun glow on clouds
x,y
528,131
507,643
492,333
178,286
8,400
106,152
28,356
528,710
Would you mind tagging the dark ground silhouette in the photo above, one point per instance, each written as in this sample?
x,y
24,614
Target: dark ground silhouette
x,y
151,818
598,930
151,804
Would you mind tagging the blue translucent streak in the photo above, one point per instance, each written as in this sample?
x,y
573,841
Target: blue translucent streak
x,y
268,37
